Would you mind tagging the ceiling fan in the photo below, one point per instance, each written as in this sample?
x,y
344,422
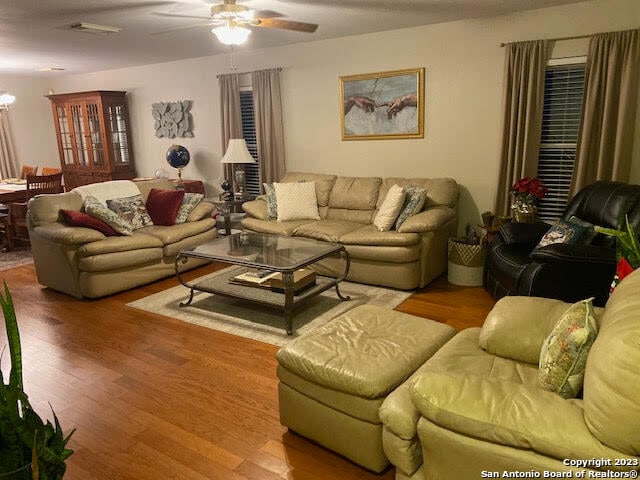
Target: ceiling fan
x,y
230,21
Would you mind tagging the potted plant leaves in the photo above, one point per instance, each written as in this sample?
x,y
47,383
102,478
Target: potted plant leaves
x,y
30,449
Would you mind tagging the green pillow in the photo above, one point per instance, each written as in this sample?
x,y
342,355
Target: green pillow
x,y
564,353
189,202
414,200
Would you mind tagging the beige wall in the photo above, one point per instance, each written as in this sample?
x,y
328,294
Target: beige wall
x,y
30,120
464,66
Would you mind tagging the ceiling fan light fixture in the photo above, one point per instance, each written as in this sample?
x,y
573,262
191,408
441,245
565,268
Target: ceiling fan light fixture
x,y
231,35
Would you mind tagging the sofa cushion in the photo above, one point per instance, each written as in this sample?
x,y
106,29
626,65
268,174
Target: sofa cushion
x,y
611,387
137,241
45,209
440,191
99,210
189,203
432,219
327,230
75,218
414,201
107,190
370,235
324,184
145,186
390,208
564,352
163,205
355,193
132,209
296,201
175,233
108,262
271,226
364,217
201,211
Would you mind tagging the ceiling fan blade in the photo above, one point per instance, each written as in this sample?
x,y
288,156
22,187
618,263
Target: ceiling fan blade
x,y
286,25
266,14
162,14
185,27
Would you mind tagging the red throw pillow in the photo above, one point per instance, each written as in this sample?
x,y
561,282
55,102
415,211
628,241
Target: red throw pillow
x,y
163,205
81,219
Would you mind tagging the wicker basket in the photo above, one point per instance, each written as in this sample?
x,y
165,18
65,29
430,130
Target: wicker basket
x,y
466,263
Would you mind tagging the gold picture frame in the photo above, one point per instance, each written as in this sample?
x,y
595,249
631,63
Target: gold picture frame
x,y
382,105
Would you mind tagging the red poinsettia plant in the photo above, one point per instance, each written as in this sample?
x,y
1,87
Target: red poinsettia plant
x,y
529,190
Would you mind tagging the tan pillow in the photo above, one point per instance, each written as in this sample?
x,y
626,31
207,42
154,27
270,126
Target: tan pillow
x,y
390,208
296,201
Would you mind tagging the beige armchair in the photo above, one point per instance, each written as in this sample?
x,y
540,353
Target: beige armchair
x,y
476,407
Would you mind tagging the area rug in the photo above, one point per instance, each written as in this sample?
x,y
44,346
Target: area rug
x,y
15,258
264,324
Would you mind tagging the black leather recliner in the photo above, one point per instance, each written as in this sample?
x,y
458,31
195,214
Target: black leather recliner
x,y
563,271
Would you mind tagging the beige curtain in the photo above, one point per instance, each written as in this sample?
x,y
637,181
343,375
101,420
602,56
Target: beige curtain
x,y
609,109
8,162
523,98
230,116
269,128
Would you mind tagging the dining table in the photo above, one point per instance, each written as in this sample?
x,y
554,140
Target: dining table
x,y
13,192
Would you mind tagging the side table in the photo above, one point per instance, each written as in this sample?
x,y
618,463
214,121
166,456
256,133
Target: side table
x,y
226,206
189,186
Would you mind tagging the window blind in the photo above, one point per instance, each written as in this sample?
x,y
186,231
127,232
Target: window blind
x,y
249,134
563,93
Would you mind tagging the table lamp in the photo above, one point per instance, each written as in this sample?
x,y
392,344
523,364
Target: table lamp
x,y
238,154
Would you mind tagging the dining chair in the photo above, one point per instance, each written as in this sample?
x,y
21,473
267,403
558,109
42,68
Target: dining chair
x,y
28,170
50,170
17,231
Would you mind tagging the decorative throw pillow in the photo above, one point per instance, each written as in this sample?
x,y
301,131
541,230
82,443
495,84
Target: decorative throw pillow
x,y
390,208
80,219
132,209
189,202
94,207
589,232
163,205
272,205
562,232
564,353
413,203
296,201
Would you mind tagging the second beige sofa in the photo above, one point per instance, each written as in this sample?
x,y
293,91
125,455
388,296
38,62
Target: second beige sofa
x,y
406,259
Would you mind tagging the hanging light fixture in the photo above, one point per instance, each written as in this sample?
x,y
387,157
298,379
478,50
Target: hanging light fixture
x,y
231,33
6,99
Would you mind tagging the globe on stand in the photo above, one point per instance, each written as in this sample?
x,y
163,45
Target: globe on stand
x,y
178,157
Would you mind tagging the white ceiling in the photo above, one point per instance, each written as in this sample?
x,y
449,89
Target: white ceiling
x,y
33,34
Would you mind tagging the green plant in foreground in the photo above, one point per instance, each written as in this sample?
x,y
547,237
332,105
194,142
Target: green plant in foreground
x,y
29,448
627,242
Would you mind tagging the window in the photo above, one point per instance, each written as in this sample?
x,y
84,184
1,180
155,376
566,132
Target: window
x,y
563,93
249,134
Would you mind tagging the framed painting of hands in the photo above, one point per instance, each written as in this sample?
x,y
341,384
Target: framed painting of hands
x,y
383,105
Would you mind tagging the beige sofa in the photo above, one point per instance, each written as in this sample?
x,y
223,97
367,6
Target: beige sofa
x,y
84,263
476,405
408,258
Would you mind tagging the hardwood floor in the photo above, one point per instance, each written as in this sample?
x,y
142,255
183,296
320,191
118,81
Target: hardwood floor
x,y
154,398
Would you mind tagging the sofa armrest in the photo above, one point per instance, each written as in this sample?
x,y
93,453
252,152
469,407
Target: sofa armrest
x,y
200,211
516,327
514,233
59,233
509,413
563,253
428,221
256,208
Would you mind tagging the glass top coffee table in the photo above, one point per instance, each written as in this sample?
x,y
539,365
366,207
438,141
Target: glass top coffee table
x,y
249,250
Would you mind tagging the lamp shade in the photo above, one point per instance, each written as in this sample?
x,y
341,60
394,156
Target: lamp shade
x,y
231,34
237,152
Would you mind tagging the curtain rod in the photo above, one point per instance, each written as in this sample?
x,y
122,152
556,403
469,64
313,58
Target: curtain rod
x,y
575,37
243,73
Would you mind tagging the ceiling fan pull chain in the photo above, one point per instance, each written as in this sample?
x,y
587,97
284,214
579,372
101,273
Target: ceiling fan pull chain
x,y
232,58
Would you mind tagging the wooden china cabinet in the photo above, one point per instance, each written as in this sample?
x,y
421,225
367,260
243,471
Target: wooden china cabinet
x,y
94,137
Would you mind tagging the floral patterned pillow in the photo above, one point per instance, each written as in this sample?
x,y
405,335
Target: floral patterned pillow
x,y
132,210
272,205
94,207
564,352
413,203
189,202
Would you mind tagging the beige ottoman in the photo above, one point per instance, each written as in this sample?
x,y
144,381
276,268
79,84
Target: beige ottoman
x,y
334,379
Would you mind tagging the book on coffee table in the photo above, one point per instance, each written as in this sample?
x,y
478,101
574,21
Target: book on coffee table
x,y
302,279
